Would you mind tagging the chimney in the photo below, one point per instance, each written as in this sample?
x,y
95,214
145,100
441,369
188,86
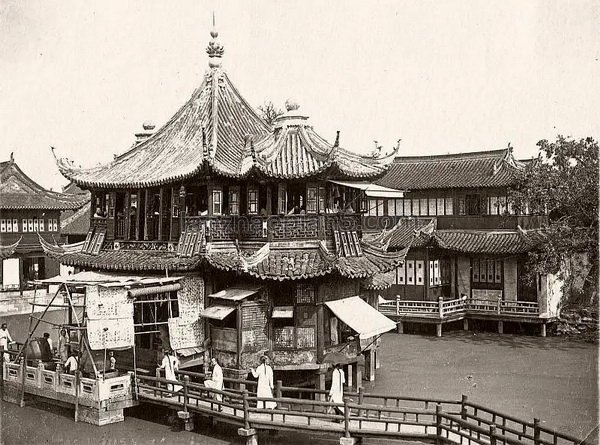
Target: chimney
x,y
147,131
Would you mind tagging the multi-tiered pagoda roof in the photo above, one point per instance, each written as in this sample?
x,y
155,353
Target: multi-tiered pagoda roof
x,y
216,132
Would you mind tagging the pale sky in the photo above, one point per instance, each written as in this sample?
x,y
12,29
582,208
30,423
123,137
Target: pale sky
x,y
445,76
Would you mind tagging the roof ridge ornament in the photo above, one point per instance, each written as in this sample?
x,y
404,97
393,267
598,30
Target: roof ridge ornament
x,y
214,49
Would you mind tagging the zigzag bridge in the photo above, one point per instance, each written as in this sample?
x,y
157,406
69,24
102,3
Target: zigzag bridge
x,y
305,410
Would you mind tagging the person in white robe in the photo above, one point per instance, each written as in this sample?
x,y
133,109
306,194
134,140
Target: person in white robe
x,y
170,363
336,392
264,374
216,379
5,339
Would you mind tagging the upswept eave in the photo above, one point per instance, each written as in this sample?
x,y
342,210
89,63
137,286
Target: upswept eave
x,y
19,192
8,251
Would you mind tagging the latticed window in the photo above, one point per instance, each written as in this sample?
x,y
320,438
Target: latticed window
x,y
322,199
24,225
305,294
487,273
217,201
311,199
41,224
234,200
252,201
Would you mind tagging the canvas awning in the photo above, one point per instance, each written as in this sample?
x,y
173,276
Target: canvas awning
x,y
361,317
235,293
372,190
283,312
217,312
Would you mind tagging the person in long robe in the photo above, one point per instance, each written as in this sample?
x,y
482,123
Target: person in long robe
x,y
264,374
5,339
63,346
216,380
170,363
336,392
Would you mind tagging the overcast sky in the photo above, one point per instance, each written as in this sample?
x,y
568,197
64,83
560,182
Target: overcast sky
x,y
445,76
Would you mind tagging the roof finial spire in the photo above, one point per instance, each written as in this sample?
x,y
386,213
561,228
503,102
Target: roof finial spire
x,y
214,49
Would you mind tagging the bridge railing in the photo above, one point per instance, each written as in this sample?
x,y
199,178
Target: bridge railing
x,y
453,421
441,308
512,427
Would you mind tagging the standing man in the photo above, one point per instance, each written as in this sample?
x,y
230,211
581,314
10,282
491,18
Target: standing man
x,y
336,392
170,363
216,380
63,346
264,374
5,339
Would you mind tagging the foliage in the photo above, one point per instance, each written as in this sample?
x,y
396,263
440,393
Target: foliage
x,y
269,112
564,181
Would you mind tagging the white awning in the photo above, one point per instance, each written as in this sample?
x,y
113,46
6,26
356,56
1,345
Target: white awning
x,y
283,312
371,190
235,293
217,311
361,317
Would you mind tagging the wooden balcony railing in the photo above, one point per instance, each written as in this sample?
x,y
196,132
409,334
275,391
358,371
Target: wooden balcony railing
x,y
443,308
274,227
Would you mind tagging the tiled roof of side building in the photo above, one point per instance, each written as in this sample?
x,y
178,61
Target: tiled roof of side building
x,y
19,191
134,260
422,232
218,129
484,242
495,168
77,223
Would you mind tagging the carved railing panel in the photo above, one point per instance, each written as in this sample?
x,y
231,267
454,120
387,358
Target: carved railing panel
x,y
293,227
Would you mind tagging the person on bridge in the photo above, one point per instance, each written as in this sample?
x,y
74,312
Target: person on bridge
x,y
170,363
336,392
264,374
216,380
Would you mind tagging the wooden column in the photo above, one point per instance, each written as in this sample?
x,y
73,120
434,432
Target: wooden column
x,y
126,215
426,274
370,365
320,329
239,333
161,209
146,212
182,209
269,207
350,374
466,324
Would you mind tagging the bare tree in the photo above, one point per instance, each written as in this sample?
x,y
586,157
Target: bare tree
x,y
269,112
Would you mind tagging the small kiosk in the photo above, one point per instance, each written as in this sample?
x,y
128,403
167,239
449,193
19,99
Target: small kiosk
x,y
105,316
